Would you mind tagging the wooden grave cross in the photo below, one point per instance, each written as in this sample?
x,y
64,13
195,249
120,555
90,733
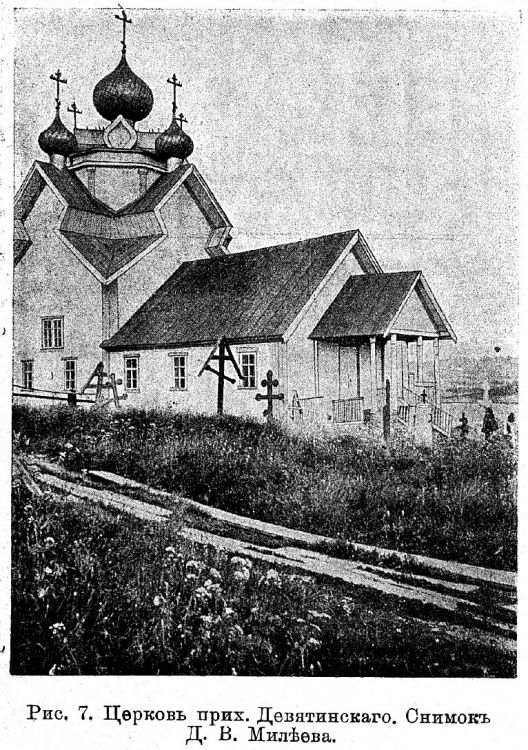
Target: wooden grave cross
x,y
224,355
269,383
96,380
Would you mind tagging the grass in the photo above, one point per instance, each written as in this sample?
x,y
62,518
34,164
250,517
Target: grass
x,y
98,593
456,502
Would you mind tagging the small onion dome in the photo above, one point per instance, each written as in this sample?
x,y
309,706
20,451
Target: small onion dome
x,y
57,139
122,92
173,143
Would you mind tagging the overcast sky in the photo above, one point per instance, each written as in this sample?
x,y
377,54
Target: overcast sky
x,y
403,125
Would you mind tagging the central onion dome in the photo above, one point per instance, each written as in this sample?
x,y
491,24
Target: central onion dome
x,y
122,92
57,139
173,142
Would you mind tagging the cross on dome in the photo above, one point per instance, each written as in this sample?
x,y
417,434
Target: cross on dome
x,y
124,20
57,77
175,84
76,112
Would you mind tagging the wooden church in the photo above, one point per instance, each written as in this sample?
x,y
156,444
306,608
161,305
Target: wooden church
x,y
124,275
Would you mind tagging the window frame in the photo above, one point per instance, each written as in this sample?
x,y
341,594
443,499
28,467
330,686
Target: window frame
x,y
173,356
25,363
248,353
67,361
125,372
52,320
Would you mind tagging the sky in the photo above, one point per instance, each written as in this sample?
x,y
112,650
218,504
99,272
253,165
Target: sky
x,y
401,124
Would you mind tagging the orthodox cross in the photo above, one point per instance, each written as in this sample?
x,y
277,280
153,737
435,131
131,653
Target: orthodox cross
x,y
181,120
124,20
224,355
269,384
175,84
76,112
57,77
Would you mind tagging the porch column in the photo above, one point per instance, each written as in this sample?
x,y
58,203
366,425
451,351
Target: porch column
x,y
373,391
393,372
419,359
436,369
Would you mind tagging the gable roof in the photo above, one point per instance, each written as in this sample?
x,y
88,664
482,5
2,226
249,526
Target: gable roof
x,y
249,296
369,305
107,240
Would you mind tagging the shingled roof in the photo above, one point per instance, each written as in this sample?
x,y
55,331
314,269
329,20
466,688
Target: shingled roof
x,y
368,305
250,296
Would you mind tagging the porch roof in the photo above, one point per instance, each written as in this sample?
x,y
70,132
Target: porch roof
x,y
369,305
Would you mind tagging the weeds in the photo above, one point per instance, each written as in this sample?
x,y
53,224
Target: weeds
x,y
100,593
456,502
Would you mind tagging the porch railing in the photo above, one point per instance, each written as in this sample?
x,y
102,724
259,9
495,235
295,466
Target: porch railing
x,y
442,421
308,409
348,410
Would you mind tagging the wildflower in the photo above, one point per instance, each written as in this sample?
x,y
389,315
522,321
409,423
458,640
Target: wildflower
x,y
228,611
313,642
191,577
48,570
201,592
57,628
49,541
272,578
53,670
241,575
212,588
319,615
170,550
68,446
215,575
192,565
234,672
41,592
157,600
241,562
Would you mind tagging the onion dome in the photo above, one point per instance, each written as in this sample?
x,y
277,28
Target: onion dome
x,y
57,139
173,142
122,92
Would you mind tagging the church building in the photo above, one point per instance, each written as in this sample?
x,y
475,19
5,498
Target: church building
x,y
122,257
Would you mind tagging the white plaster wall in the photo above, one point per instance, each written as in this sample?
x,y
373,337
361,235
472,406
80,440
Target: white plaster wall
x,y
300,348
188,232
50,281
156,381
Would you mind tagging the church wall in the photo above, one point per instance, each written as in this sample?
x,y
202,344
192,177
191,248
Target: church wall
x,y
49,281
300,348
156,380
188,232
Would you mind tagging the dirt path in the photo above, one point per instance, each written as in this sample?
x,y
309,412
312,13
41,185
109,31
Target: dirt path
x,y
464,595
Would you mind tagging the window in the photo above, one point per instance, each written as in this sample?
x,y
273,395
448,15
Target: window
x,y
248,367
70,375
180,371
132,373
52,333
27,373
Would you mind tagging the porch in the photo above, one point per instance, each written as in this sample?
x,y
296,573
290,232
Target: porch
x,y
377,357
362,382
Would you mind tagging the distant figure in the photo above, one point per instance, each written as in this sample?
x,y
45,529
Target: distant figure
x,y
485,391
489,423
463,427
509,429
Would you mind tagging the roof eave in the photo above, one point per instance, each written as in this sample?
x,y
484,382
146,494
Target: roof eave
x,y
235,341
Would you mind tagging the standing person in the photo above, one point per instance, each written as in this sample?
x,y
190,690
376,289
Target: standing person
x,y
489,423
